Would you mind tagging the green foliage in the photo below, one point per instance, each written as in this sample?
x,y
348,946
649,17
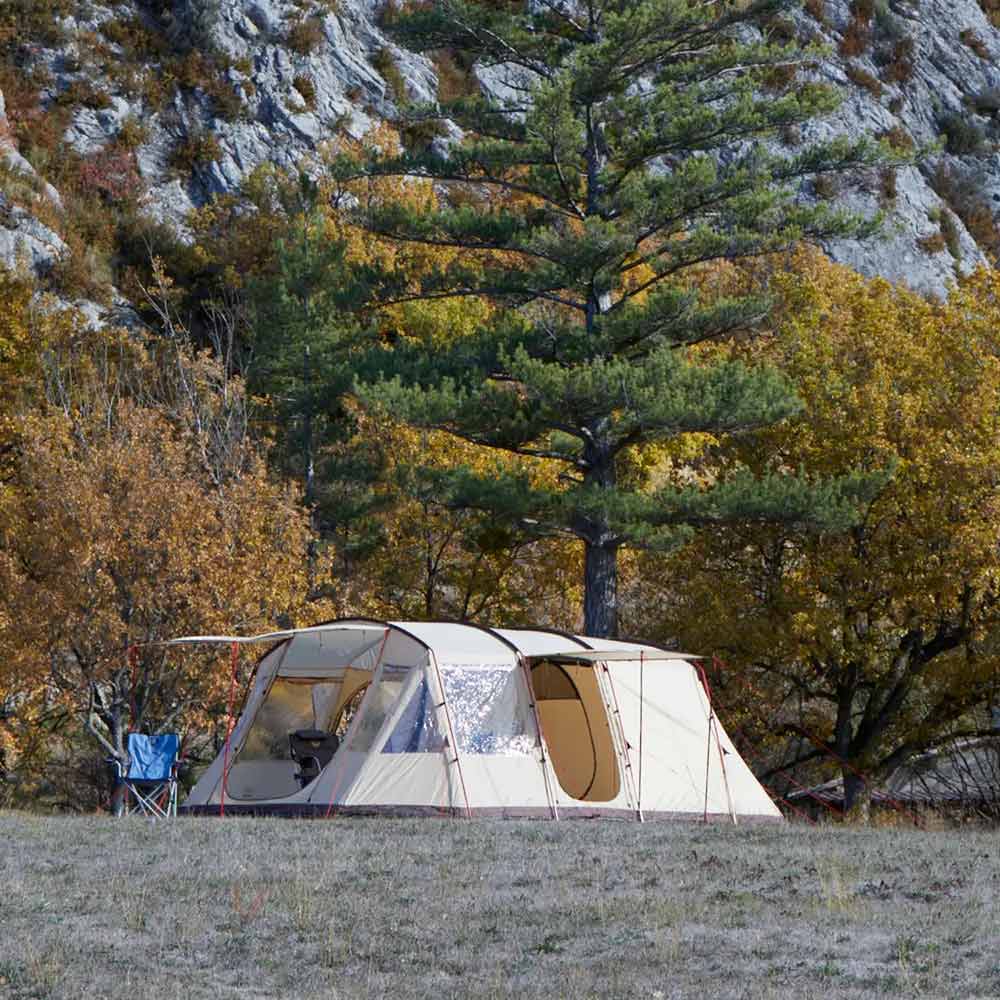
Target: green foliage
x,y
194,150
963,136
608,265
385,63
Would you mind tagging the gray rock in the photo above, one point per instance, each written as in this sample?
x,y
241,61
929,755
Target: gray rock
x,y
26,242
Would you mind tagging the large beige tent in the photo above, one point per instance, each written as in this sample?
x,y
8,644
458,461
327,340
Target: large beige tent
x,y
435,718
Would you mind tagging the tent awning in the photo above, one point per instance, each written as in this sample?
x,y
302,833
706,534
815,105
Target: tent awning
x,y
190,640
601,655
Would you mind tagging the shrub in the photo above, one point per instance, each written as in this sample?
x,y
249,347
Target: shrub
x,y
862,78
305,36
417,135
133,133
826,186
887,184
965,197
962,135
898,60
952,237
932,244
991,8
899,138
968,37
385,63
781,76
196,149
454,79
782,30
856,38
817,10
304,85
82,271
112,174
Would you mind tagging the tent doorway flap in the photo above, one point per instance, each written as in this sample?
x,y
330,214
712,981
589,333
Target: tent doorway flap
x,y
575,727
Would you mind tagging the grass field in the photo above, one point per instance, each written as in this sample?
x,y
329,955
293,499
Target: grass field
x,y
91,907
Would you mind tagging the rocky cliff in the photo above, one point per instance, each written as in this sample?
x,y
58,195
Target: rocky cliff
x,y
173,103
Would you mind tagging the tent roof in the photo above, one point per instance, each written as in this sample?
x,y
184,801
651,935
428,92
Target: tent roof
x,y
471,640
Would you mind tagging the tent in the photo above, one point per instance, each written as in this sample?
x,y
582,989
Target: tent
x,y
411,718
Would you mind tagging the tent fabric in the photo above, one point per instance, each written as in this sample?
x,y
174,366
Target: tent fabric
x,y
458,719
151,758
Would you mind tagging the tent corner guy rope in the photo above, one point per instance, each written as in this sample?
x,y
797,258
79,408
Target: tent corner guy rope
x,y
642,664
234,658
713,732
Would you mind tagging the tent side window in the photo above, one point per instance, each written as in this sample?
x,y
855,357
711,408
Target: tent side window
x,y
575,727
489,710
416,730
379,701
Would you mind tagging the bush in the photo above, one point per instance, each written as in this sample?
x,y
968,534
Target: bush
x,y
888,185
305,36
817,10
899,68
991,8
968,37
862,78
898,138
965,197
304,85
196,149
455,79
385,63
962,135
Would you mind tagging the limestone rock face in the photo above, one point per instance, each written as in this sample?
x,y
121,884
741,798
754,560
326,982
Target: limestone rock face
x,y
930,73
24,240
297,75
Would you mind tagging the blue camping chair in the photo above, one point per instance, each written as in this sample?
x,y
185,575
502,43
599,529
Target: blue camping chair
x,y
151,780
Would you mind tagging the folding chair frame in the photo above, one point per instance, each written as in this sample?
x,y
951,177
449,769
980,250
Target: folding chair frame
x,y
156,799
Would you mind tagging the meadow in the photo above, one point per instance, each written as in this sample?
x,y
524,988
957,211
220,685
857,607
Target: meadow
x,y
98,908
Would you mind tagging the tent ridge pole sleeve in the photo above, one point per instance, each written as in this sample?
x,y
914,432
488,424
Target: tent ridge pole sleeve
x,y
451,733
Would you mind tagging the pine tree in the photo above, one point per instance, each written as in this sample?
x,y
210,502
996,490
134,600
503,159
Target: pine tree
x,y
629,144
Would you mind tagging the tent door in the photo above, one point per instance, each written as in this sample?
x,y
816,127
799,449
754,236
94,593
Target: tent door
x,y
575,727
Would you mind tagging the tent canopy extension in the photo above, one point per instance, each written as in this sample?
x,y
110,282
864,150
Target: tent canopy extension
x,y
429,717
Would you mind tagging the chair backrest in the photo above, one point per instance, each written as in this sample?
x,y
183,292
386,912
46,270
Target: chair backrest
x,y
304,743
151,758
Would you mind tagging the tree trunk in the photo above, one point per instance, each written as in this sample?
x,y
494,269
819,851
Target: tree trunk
x,y
857,797
600,597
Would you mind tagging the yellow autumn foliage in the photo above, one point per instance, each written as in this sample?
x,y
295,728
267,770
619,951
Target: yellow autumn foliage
x,y
885,636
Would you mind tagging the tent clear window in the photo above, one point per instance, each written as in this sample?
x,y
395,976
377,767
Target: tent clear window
x,y
489,710
416,730
377,706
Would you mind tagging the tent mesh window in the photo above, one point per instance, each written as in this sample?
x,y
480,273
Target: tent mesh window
x,y
575,726
489,710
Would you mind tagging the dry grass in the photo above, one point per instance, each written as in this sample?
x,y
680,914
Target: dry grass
x,y
372,908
